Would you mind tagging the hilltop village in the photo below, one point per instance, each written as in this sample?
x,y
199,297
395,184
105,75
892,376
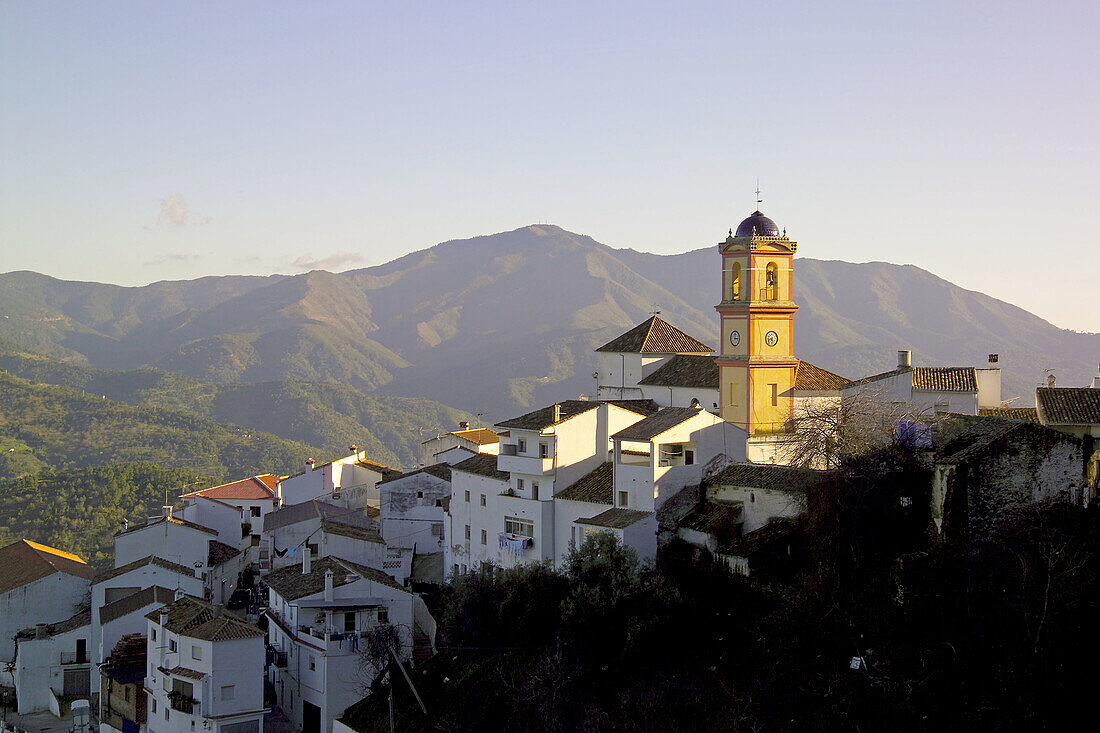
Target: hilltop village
x,y
315,593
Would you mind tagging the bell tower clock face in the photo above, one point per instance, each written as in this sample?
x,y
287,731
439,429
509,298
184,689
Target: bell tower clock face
x,y
771,338
735,337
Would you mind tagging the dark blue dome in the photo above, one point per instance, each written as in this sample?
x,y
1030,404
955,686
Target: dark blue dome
x,y
764,227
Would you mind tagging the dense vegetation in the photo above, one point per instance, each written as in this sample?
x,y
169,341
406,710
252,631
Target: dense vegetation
x,y
63,427
880,628
329,416
80,509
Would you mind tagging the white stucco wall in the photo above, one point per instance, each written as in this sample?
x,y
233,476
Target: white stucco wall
x,y
761,505
47,600
176,542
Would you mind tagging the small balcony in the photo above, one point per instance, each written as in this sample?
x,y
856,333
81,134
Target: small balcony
x,y
530,465
183,703
74,657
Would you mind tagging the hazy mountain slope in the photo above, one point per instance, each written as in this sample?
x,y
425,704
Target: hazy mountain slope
x,y
329,416
66,428
499,323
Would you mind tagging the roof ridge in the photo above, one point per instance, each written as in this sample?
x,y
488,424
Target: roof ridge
x,y
40,548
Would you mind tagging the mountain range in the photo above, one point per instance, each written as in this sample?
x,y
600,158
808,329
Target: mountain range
x,y
497,324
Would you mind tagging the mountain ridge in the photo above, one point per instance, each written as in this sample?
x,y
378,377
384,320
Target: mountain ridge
x,y
502,322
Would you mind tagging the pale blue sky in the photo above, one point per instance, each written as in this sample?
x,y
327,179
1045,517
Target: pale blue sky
x,y
147,141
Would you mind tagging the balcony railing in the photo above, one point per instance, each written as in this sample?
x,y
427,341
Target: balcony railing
x,y
74,657
509,450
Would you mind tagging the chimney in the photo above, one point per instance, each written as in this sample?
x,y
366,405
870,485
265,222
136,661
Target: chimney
x,y
1051,381
1096,380
557,412
125,524
163,616
166,511
905,359
309,462
328,585
464,425
278,493
179,594
305,560
354,448
40,631
993,359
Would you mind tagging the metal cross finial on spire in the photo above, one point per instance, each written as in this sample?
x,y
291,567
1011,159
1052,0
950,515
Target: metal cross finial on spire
x,y
758,199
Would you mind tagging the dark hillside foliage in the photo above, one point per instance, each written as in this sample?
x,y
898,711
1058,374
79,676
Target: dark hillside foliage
x,y
79,510
882,628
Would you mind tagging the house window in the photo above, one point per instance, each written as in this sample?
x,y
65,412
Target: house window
x,y
171,645
573,536
254,510
522,447
349,621
196,651
689,458
437,530
467,497
420,495
166,711
735,282
771,281
623,496
312,549
154,634
229,692
519,484
773,391
732,394
534,489
544,450
153,705
483,500
384,615
467,532
520,527
312,663
484,537
439,502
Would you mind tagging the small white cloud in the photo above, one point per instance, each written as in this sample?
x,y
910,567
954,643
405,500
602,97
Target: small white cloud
x,y
174,210
332,262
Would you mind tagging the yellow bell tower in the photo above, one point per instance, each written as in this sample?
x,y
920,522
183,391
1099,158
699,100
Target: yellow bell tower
x,y
757,364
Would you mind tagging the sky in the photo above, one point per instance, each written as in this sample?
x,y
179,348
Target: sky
x,y
171,140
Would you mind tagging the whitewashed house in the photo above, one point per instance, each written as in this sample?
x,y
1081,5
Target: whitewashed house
x,y
628,359
52,660
321,529
124,582
167,536
458,445
230,522
411,513
924,391
350,481
38,585
254,497
318,611
206,670
503,511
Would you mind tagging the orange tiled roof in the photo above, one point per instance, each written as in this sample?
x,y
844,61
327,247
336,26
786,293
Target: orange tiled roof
x,y
253,487
481,436
24,562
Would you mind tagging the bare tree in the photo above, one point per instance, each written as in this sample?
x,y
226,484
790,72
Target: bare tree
x,y
824,432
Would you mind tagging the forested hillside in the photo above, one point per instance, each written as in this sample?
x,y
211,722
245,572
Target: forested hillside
x,y
79,509
62,427
330,416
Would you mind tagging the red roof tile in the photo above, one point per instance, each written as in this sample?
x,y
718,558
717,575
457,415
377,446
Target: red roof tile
x,y
253,487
